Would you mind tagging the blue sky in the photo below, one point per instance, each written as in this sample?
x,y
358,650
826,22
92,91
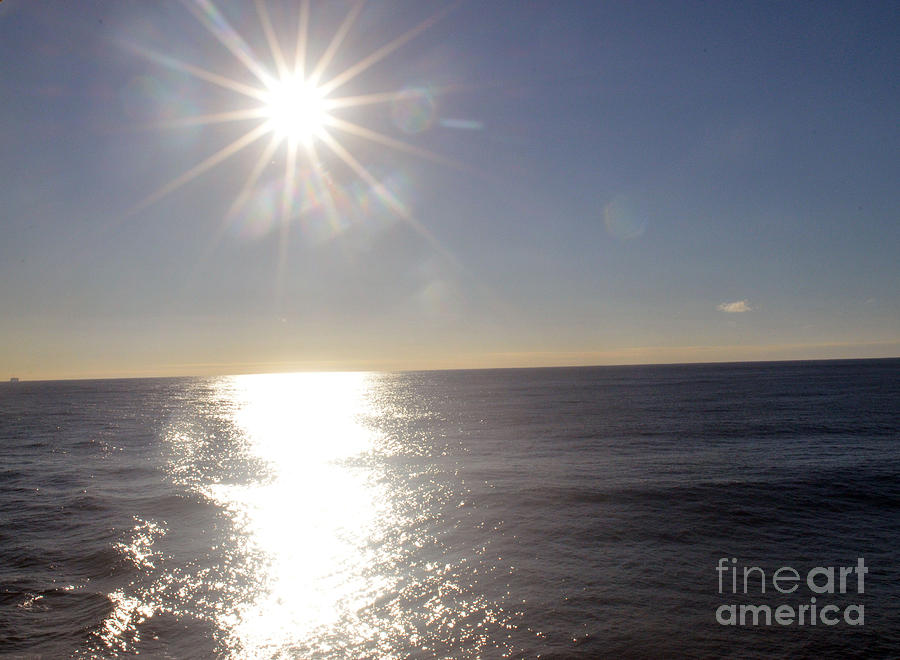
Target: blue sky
x,y
581,183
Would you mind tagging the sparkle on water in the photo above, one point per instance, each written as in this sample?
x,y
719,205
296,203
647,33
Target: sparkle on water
x,y
327,552
311,518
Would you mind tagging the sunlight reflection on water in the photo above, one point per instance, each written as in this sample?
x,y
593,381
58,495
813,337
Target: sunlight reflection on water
x,y
310,521
313,515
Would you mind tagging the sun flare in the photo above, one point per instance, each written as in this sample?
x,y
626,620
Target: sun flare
x,y
298,109
295,108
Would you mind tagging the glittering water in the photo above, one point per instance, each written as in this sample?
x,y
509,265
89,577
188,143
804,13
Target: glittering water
x,y
552,512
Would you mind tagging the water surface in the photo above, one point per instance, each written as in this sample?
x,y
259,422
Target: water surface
x,y
524,513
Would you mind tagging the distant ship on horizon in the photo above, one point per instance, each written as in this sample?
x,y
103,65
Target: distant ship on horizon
x,y
13,380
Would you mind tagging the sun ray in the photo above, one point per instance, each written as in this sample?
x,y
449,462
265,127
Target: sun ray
x,y
302,32
336,41
386,195
383,193
399,145
235,207
324,188
197,72
363,99
338,102
252,178
207,164
287,201
295,113
213,118
272,38
375,98
216,24
378,55
290,174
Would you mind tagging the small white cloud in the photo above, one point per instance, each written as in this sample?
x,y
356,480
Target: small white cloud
x,y
734,307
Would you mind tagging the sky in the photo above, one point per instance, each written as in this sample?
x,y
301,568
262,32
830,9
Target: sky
x,y
494,184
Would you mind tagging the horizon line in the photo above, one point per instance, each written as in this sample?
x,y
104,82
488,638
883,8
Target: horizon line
x,y
19,380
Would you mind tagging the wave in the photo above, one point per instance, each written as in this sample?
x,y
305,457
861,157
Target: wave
x,y
51,621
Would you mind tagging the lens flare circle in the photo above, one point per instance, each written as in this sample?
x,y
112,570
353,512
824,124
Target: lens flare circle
x,y
295,108
413,110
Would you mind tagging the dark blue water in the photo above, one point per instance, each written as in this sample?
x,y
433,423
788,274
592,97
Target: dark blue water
x,y
511,513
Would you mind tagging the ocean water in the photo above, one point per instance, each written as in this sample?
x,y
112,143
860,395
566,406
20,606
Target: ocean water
x,y
557,513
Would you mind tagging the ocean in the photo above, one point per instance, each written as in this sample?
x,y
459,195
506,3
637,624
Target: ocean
x,y
556,513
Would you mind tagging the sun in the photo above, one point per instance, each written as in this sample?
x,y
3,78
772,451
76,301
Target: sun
x,y
294,109
297,108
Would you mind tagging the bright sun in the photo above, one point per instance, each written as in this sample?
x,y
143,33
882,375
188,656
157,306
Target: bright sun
x,y
295,109
295,106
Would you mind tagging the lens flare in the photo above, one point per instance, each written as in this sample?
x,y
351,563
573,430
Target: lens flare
x,y
413,110
295,105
